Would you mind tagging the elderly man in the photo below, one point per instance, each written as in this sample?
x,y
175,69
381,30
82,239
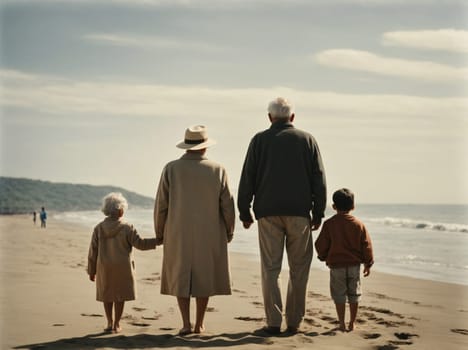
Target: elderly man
x,y
194,219
284,175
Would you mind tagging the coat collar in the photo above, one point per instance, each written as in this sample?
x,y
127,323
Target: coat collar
x,y
281,125
193,156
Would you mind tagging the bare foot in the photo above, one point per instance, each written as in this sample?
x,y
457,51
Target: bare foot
x,y
199,329
185,331
342,327
351,327
117,328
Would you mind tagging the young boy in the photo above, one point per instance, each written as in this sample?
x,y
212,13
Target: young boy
x,y
345,244
110,261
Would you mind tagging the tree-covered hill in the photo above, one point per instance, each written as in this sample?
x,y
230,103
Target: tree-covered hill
x,y
18,196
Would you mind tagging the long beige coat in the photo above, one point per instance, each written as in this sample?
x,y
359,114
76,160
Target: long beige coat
x,y
194,216
110,258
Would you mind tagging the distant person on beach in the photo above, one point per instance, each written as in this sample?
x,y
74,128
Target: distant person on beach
x,y
43,217
284,176
345,244
110,260
194,218
34,217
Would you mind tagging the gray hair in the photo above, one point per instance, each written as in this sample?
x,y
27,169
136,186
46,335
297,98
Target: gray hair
x,y
112,203
280,108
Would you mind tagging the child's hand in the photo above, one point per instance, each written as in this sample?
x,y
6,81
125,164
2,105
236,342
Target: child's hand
x,y
92,278
366,271
159,240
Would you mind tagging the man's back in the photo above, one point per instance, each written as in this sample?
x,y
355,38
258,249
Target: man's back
x,y
283,171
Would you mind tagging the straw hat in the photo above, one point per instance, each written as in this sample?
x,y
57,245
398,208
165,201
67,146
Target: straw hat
x,y
196,138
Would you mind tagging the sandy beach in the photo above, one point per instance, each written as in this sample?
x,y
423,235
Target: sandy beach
x,y
47,302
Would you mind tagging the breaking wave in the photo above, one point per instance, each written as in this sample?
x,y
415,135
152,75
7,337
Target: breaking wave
x,y
419,224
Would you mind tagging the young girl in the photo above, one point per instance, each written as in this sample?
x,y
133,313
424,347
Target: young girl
x,y
110,261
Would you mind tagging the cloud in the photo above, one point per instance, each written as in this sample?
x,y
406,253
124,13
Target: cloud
x,y
368,62
234,3
442,39
150,42
47,94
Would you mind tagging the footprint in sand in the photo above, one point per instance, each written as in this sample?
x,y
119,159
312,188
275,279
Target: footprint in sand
x,y
77,265
387,347
460,331
360,320
369,315
138,308
401,342
387,323
248,318
140,324
58,325
156,317
382,311
92,315
128,317
310,321
151,280
211,309
239,291
318,296
371,335
330,333
405,336
395,324
329,319
305,338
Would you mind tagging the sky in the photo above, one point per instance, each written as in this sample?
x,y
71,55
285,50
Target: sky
x,y
101,91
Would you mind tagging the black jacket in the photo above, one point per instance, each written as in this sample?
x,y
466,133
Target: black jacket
x,y
283,173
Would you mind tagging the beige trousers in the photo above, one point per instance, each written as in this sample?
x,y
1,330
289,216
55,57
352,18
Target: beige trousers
x,y
274,233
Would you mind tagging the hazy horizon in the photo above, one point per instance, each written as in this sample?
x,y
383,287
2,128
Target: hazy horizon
x,y
100,92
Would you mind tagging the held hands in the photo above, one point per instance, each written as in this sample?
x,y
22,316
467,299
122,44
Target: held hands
x,y
247,224
92,278
315,224
366,271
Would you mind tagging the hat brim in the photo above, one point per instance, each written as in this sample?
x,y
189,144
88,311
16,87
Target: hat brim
x,y
187,146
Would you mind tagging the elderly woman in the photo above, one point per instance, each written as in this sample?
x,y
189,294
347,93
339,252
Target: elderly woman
x,y
110,261
194,219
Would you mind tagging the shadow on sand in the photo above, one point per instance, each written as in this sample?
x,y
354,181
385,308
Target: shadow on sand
x,y
141,341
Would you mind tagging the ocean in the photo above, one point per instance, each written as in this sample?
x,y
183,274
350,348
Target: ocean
x,y
423,241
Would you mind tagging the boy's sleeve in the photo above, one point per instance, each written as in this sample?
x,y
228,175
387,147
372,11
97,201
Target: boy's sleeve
x,y
366,246
322,244
92,254
141,243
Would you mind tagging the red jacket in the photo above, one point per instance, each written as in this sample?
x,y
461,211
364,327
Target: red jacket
x,y
344,241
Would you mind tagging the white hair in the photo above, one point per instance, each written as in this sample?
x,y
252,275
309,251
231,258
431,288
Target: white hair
x,y
280,108
112,203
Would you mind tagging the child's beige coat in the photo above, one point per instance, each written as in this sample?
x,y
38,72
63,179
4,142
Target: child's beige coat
x,y
110,259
